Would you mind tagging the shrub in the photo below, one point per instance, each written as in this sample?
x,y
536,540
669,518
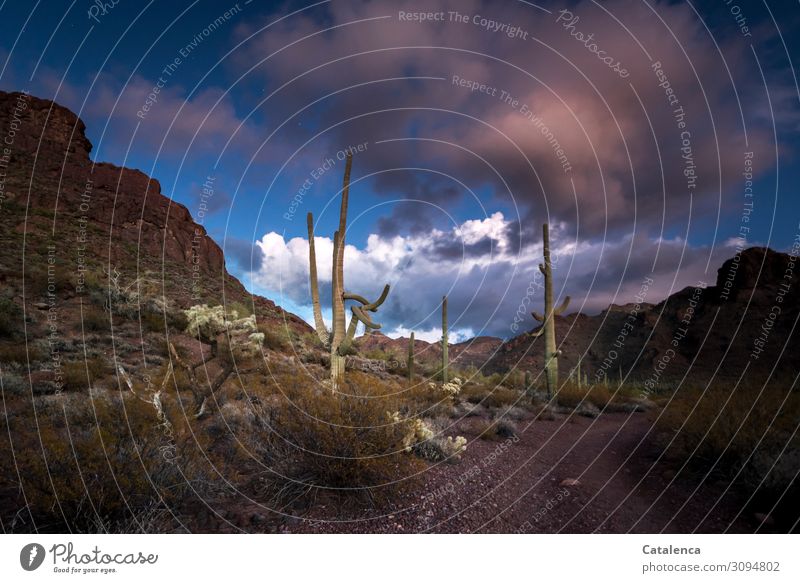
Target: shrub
x,y
75,373
13,384
208,322
490,395
341,441
570,395
274,338
19,353
376,354
95,320
10,318
748,433
153,322
239,310
491,430
92,462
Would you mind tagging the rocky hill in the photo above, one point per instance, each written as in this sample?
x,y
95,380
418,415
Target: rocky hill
x,y
98,216
747,319
95,262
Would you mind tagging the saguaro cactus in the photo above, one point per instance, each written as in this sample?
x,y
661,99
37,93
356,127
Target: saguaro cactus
x,y
339,341
549,328
411,360
445,358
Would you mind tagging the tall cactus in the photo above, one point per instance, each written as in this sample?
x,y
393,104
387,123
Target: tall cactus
x,y
445,358
549,328
411,360
339,341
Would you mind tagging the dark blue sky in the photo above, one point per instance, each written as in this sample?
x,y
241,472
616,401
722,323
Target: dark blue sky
x,y
451,183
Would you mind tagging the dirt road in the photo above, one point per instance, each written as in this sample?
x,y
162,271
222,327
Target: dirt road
x,y
571,474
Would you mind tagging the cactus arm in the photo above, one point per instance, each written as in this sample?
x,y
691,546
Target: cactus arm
x,y
542,269
339,237
560,309
351,333
361,313
377,303
537,316
538,332
366,304
355,297
361,316
319,323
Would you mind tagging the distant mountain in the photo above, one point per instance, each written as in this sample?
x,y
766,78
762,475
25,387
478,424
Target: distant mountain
x,y
748,319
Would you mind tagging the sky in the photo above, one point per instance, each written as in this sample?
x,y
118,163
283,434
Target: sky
x,y
656,138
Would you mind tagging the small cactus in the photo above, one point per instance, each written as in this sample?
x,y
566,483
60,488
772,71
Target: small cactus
x,y
411,360
551,353
445,358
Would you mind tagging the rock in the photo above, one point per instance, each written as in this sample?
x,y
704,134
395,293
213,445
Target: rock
x,y
587,409
570,482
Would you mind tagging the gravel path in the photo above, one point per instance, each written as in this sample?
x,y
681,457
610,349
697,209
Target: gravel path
x,y
572,474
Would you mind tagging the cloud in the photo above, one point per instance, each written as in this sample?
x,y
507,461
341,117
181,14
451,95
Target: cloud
x,y
248,256
549,103
488,289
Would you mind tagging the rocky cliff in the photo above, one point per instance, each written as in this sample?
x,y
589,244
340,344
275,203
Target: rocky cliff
x,y
98,216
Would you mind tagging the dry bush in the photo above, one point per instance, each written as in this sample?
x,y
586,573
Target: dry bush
x,y
75,373
153,322
722,428
421,399
571,395
321,440
19,353
275,337
10,318
94,320
490,429
752,434
92,461
490,395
